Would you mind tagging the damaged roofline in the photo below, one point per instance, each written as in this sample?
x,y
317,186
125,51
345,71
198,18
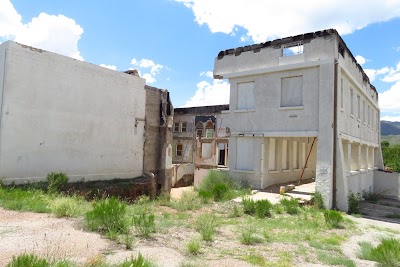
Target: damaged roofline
x,y
305,38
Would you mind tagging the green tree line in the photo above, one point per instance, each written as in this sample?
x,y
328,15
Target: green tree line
x,y
391,155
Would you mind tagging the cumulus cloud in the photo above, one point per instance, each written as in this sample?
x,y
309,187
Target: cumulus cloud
x,y
55,33
149,66
361,60
111,67
389,101
207,94
207,74
373,74
393,74
271,19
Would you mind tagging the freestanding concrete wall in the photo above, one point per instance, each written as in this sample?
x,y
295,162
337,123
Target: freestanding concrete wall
x,y
61,114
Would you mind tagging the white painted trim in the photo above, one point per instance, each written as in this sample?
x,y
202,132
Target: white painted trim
x,y
353,139
303,65
274,171
291,108
244,110
277,134
243,171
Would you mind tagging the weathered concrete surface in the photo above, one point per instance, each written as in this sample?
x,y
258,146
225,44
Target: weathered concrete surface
x,y
62,114
157,148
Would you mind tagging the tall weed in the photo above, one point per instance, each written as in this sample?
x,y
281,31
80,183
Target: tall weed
x,y
144,223
107,216
57,181
218,186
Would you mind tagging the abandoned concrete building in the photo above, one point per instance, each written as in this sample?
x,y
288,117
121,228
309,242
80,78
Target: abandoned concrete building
x,y
303,102
200,143
61,114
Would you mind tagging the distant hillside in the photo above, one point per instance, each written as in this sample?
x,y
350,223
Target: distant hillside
x,y
390,128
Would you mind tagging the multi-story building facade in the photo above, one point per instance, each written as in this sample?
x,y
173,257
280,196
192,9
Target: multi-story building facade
x,y
302,103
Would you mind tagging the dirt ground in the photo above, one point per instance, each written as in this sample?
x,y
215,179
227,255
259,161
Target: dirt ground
x,y
51,237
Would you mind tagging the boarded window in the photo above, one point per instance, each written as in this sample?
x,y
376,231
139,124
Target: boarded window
x,y
206,150
272,155
358,107
341,93
292,91
285,155
351,102
244,153
363,108
199,129
296,155
245,95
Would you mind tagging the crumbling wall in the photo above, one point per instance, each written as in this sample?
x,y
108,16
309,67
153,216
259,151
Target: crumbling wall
x,y
157,147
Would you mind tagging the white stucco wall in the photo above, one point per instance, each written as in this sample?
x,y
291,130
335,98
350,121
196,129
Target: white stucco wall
x,y
323,70
387,184
62,114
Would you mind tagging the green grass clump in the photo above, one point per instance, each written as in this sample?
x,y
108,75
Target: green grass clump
x,y
317,200
353,201
290,205
107,216
35,200
193,246
144,223
371,197
57,181
140,261
260,208
334,258
67,206
206,225
249,236
263,208
219,186
255,259
387,253
28,260
333,218
249,205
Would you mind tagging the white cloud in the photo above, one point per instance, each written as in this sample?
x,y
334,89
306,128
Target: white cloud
x,y
372,74
111,67
149,78
361,60
270,19
389,101
393,74
148,65
57,34
216,93
390,118
208,74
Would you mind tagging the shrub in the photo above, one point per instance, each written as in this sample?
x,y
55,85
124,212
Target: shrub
x,y
235,212
128,240
248,236
317,201
28,260
66,206
206,225
218,186
140,261
249,206
144,223
387,253
371,197
353,201
263,208
56,180
279,209
193,246
290,205
333,218
107,216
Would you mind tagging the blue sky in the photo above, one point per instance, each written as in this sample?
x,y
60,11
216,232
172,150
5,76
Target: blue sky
x,y
173,43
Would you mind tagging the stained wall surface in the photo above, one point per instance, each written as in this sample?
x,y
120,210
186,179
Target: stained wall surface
x,y
61,114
